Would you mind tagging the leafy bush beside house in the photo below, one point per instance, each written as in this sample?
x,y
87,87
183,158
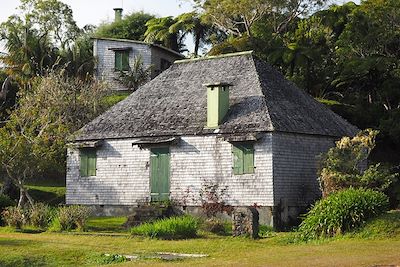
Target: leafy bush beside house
x,y
344,166
342,212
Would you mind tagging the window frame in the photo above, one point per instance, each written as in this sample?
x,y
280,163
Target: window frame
x,y
243,158
87,162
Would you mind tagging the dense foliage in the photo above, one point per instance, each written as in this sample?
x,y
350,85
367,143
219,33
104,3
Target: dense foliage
x,y
33,140
132,26
345,165
171,228
341,212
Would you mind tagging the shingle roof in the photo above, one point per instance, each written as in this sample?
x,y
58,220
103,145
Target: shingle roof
x,y
174,103
141,42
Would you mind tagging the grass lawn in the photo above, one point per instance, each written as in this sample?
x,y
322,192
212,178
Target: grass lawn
x,y
51,249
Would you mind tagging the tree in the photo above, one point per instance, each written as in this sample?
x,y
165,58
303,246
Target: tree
x,y
42,36
33,140
132,27
158,30
344,166
52,19
136,76
191,23
237,18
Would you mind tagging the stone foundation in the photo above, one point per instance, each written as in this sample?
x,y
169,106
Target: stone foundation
x,y
280,217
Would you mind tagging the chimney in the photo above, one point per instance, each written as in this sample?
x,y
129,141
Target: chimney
x,y
118,14
217,103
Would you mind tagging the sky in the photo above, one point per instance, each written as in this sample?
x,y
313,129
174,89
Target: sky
x,y
97,11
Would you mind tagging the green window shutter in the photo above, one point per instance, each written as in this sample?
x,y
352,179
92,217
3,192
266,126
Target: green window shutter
x,y
237,159
125,60
248,159
83,164
91,166
87,163
118,60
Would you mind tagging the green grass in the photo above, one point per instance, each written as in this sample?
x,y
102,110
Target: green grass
x,y
170,228
385,226
114,98
28,248
48,249
106,224
52,195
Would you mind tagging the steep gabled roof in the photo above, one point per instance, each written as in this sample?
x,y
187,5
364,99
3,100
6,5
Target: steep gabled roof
x,y
174,103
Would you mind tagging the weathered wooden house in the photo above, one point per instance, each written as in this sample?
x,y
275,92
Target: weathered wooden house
x,y
231,120
116,55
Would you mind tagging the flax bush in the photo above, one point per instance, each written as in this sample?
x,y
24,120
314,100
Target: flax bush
x,y
341,212
5,202
171,228
40,215
71,217
14,217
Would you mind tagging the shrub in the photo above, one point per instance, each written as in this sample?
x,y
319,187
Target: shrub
x,y
5,202
71,217
14,217
110,259
40,215
212,199
343,166
215,225
171,228
341,212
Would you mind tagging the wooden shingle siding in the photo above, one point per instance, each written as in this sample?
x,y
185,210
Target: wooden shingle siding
x,y
295,161
105,67
123,173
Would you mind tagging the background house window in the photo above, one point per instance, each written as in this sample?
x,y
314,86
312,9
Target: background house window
x,y
243,158
88,160
122,60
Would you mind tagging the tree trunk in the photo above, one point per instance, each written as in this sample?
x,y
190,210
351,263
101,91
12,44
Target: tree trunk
x,y
23,196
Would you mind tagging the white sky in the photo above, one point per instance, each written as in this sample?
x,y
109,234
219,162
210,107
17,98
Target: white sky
x,y
96,11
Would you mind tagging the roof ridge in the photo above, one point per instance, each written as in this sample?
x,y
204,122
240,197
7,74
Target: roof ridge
x,y
235,54
261,88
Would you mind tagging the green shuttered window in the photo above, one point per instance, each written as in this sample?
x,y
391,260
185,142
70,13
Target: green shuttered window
x,y
243,158
88,162
122,60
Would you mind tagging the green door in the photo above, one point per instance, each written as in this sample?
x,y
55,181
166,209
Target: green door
x,y
159,176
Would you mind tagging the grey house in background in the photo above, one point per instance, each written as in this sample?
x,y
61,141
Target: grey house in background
x,y
231,120
115,55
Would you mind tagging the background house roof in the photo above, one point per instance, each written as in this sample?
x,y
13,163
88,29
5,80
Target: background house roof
x,y
142,43
174,103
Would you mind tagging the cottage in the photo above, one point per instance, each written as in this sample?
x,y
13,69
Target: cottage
x,y
231,120
116,55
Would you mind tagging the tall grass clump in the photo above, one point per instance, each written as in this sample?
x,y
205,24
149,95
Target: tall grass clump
x,y
70,218
40,215
171,228
341,212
